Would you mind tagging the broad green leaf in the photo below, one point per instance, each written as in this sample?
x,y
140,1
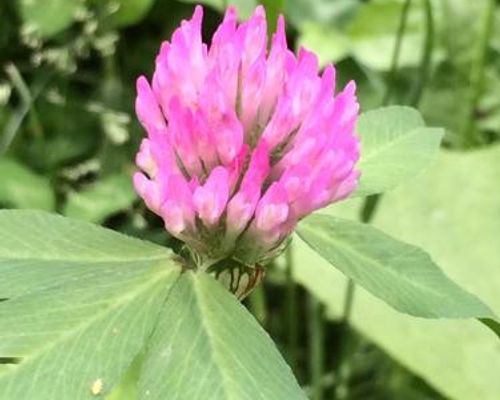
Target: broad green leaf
x,y
131,11
207,346
402,275
104,198
245,8
22,188
64,250
452,211
47,17
78,335
395,146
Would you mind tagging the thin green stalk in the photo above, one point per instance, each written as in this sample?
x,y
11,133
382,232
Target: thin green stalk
x,y
18,82
25,109
425,63
397,49
291,310
477,77
348,300
12,127
316,347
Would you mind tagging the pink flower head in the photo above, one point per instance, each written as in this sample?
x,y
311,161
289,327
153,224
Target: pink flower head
x,y
244,138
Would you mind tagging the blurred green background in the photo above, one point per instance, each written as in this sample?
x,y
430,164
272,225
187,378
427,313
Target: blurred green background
x,y
68,136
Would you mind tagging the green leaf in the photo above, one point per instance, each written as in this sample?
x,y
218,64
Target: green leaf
x,y
402,275
81,303
47,17
452,211
22,188
208,346
77,334
106,197
131,12
395,146
64,250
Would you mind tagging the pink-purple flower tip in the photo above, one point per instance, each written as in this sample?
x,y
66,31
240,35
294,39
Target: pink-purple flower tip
x,y
243,141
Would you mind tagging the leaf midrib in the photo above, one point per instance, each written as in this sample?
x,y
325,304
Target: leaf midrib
x,y
206,324
213,341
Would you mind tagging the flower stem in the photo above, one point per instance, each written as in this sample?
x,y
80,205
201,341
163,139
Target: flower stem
x,y
291,310
27,108
425,63
477,76
316,347
395,55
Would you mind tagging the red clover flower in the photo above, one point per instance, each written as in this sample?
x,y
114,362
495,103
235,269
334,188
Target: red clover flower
x,y
242,140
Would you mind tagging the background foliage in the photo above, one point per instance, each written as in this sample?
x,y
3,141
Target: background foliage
x,y
68,136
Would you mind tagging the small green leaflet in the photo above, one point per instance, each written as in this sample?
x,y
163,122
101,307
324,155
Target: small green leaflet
x,y
211,348
402,275
395,147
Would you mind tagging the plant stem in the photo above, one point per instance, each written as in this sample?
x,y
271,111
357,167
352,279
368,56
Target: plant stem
x,y
316,345
478,72
395,55
348,300
291,310
425,63
27,108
